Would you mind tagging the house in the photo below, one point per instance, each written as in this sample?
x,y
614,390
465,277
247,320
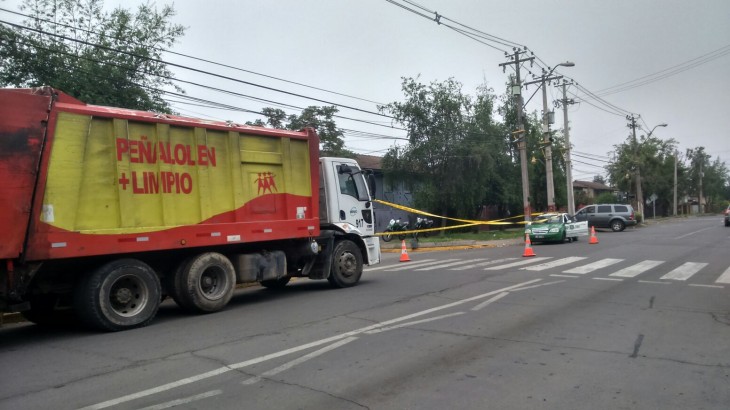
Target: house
x,y
592,189
397,194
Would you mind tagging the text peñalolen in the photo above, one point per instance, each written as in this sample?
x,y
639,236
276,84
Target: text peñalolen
x,y
167,182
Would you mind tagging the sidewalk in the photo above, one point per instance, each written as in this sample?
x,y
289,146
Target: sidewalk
x,y
394,246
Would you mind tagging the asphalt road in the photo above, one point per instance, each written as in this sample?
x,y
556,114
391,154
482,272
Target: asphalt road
x,y
640,320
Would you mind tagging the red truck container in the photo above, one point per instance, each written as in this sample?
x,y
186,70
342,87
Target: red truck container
x,y
106,210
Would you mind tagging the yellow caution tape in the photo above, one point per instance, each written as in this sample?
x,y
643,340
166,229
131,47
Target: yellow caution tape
x,y
466,221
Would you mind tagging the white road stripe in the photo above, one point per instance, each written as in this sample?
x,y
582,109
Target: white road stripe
x,y
261,359
692,233
555,275
655,282
603,263
614,279
446,265
185,400
707,286
476,265
725,277
405,266
520,263
635,270
415,322
537,286
489,301
684,271
421,262
555,263
299,360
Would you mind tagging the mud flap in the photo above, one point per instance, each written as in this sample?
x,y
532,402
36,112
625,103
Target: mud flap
x,y
323,262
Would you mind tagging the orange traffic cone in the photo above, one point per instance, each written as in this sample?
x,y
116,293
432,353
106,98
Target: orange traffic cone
x,y
404,252
528,247
594,238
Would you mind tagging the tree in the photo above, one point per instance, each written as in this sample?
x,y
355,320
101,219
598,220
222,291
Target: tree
x,y
456,158
106,58
712,176
319,118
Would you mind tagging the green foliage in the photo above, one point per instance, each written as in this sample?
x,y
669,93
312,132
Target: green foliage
x,y
319,118
104,58
606,198
456,159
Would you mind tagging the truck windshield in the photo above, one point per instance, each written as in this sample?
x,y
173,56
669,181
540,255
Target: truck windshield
x,y
354,186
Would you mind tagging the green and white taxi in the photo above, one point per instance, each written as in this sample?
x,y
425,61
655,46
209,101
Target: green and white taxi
x,y
556,227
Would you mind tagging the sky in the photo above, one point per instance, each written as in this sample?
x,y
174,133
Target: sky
x,y
362,49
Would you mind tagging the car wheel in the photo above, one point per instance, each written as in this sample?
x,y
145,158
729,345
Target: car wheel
x,y
617,225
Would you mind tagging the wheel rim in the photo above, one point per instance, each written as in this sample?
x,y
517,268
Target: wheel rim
x,y
347,264
128,296
212,283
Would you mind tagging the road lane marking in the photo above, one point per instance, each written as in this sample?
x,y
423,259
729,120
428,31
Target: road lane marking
x,y
299,360
409,266
725,277
489,301
707,286
655,282
492,262
635,270
425,261
603,263
260,359
555,263
520,263
185,400
537,286
684,271
614,279
555,275
695,232
446,265
415,322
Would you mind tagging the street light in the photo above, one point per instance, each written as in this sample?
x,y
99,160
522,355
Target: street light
x,y
639,193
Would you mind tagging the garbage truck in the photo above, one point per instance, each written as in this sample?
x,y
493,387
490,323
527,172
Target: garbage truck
x,y
105,212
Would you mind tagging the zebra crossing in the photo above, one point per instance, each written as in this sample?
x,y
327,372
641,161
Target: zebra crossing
x,y
610,269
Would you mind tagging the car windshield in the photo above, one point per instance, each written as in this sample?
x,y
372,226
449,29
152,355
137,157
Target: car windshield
x,y
549,219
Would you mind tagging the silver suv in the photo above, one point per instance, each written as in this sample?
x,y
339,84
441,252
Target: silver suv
x,y
614,216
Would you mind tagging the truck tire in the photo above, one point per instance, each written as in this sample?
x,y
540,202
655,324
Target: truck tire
x,y
204,283
119,295
346,265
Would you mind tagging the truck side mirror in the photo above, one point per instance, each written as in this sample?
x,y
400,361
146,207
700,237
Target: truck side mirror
x,y
344,169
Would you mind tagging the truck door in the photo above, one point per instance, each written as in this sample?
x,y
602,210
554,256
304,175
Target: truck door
x,y
354,206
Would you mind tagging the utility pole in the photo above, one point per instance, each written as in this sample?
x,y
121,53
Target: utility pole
x,y
547,139
674,210
639,194
566,130
520,132
702,159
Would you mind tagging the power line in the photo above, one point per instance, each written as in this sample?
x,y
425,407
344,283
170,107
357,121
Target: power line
x,y
202,59
192,69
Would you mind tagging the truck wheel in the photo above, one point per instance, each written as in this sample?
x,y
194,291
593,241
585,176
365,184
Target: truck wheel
x,y
120,295
346,265
204,283
617,225
276,283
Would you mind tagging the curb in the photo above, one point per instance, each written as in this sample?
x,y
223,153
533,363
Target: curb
x,y
449,246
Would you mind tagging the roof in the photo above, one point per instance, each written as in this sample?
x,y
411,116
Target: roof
x,y
369,161
592,185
